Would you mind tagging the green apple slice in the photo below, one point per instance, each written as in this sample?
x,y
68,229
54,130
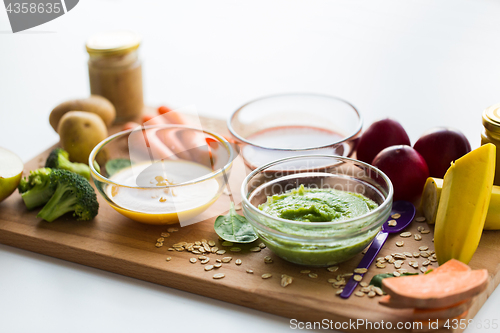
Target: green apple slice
x,y
11,171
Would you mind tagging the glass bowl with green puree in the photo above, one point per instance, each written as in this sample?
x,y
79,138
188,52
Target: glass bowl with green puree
x,y
317,210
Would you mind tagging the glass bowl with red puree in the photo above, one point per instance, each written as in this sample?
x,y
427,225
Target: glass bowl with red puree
x,y
281,126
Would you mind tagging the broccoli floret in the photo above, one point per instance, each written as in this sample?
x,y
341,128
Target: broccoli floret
x,y
73,193
38,188
59,159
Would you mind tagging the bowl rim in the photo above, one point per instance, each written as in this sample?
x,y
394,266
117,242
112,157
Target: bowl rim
x,y
240,138
380,207
220,138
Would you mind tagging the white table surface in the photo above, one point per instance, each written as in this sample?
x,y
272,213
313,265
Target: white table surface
x,y
424,63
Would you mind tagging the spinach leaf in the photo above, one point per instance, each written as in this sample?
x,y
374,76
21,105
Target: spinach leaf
x,y
377,279
234,227
115,165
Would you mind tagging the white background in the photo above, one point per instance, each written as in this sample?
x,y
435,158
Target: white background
x,y
424,63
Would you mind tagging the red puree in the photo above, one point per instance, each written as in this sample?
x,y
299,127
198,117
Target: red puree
x,y
291,137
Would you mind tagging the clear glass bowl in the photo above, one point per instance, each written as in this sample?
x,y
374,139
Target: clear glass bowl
x,y
288,125
176,172
317,243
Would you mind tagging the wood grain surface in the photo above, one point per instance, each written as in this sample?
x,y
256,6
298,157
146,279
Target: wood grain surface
x,y
117,244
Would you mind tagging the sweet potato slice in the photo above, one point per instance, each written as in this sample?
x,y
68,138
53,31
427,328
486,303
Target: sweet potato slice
x,y
436,290
452,265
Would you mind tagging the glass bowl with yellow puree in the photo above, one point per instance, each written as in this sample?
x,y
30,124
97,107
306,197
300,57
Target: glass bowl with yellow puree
x,y
162,174
317,210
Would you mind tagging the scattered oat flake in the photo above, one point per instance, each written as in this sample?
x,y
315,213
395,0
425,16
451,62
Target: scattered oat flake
x,y
168,258
226,259
365,290
333,268
379,265
172,230
209,267
203,262
357,277
360,270
396,274
371,294
313,275
418,237
165,234
396,216
332,280
218,260
214,249
359,294
423,269
400,243
305,271
423,248
364,284
268,260
405,234
226,243
221,251
255,249
202,257
217,265
238,262
218,276
286,280
378,290
159,245
392,223
266,275
249,271
170,249
211,243
426,231
416,254
420,219
408,254
262,245
192,260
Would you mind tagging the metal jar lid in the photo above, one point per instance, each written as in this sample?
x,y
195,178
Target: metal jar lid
x,y
113,43
491,118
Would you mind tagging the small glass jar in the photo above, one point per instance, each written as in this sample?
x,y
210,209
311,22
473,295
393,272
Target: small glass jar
x,y
491,134
115,72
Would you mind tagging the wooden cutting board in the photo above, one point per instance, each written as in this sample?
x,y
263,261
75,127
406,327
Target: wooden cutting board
x,y
114,243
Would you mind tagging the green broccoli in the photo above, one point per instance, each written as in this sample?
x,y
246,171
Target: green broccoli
x,y
59,159
73,193
38,188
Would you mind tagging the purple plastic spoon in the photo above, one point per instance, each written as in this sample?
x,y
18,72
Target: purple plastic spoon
x,y
407,212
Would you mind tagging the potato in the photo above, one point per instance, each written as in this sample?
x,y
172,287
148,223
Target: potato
x,y
95,104
80,132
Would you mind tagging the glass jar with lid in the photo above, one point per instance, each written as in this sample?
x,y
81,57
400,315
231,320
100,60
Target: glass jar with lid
x,y
115,72
491,134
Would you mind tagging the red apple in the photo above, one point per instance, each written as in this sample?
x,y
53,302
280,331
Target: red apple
x,y
406,169
381,134
440,146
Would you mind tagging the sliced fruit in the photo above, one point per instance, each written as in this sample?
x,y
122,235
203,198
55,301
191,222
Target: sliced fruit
x,y
11,170
430,201
463,204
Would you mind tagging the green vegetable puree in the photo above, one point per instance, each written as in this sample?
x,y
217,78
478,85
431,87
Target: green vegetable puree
x,y
317,205
324,246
